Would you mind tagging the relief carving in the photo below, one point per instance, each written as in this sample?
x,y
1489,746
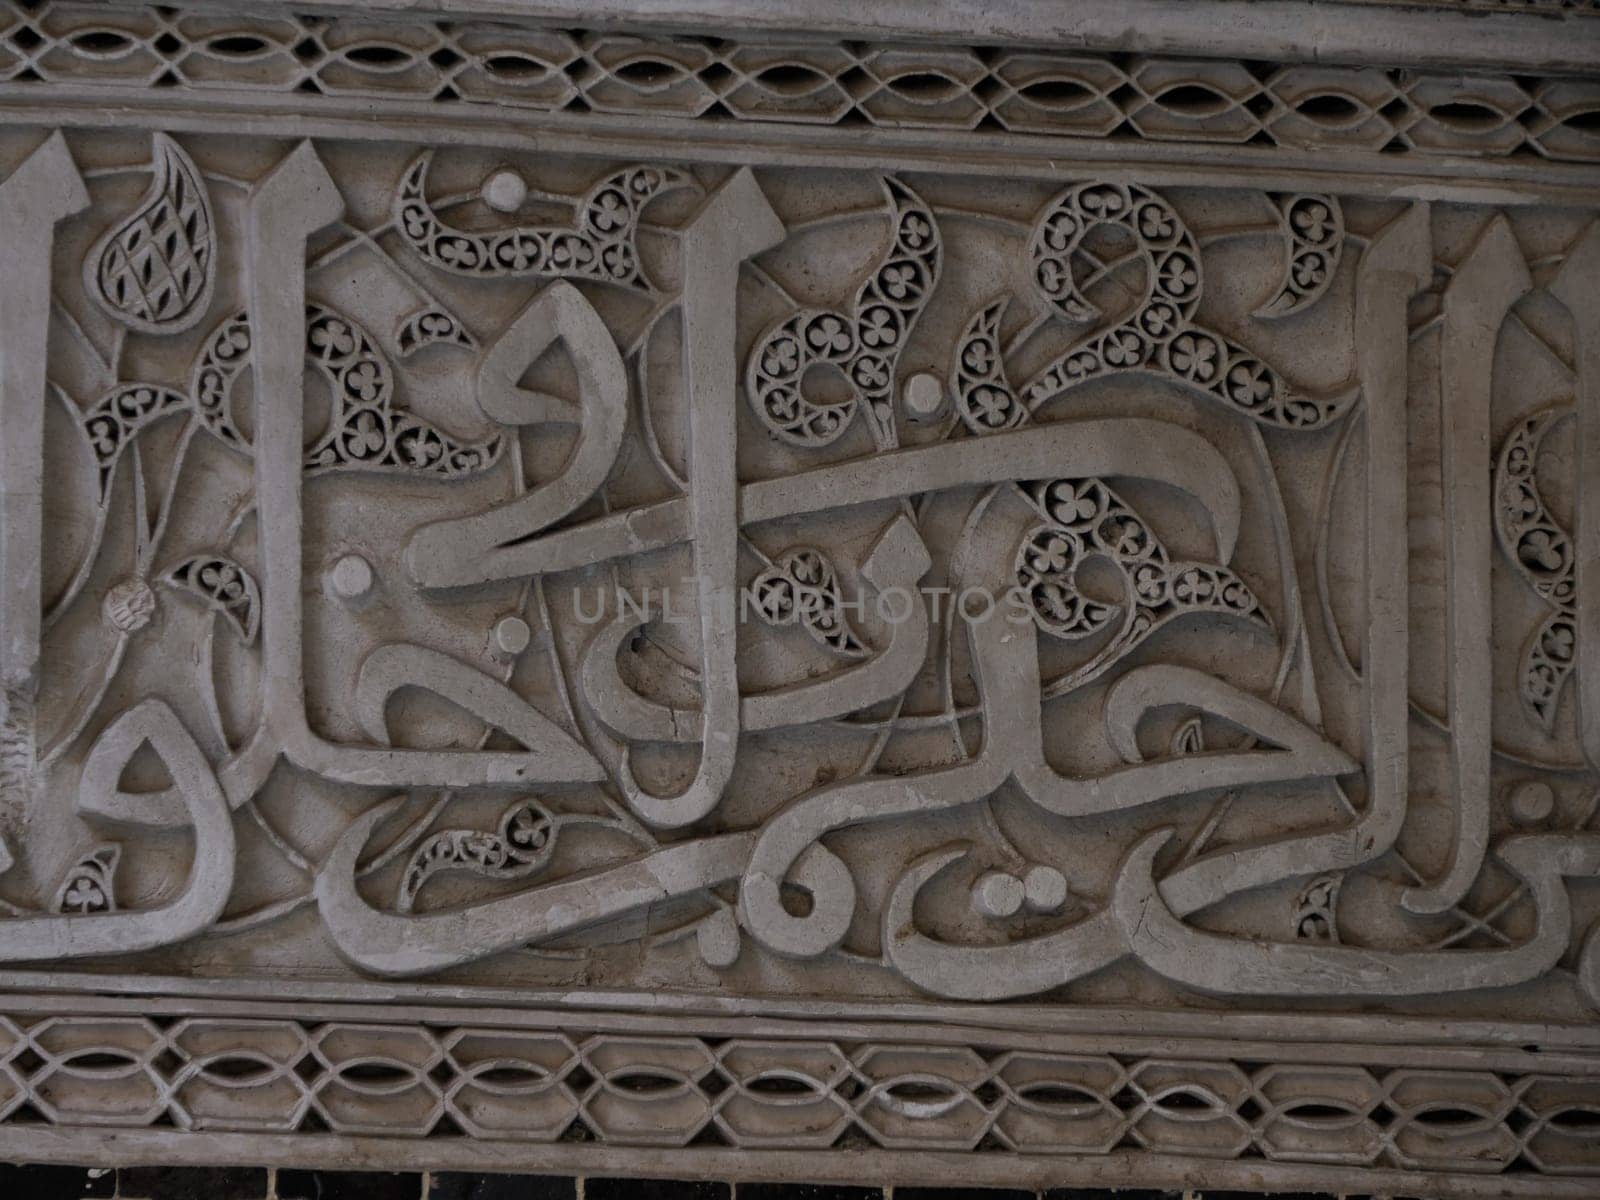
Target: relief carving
x,y
464,566
1051,552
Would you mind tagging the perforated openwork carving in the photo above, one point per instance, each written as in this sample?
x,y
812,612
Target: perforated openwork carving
x,y
642,644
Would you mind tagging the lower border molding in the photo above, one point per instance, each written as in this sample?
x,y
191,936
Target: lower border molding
x,y
751,1098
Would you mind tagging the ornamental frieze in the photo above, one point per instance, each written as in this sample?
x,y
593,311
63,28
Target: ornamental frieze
x,y
670,645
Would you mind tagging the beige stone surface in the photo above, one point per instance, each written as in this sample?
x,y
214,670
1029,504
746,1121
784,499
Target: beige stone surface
x,y
792,605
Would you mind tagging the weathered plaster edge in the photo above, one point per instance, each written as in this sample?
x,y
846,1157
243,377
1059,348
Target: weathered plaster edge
x,y
1424,1040
1323,31
1459,179
1121,1168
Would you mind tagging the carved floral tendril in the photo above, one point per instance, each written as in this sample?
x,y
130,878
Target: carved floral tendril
x,y
600,244
366,431
1160,337
861,345
112,422
89,886
521,847
432,326
1540,552
1313,235
802,587
1085,519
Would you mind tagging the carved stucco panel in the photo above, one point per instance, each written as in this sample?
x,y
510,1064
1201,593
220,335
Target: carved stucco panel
x,y
655,621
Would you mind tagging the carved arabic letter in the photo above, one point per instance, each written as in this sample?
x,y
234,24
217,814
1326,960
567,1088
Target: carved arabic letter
x,y
240,776
1081,448
155,270
1396,266
45,189
295,200
896,564
1302,754
735,223
1577,287
1006,663
390,944
1217,962
788,850
1589,967
1475,305
474,549
210,877
1019,968
790,839
556,757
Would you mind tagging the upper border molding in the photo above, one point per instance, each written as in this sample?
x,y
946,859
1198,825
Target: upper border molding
x,y
1549,36
419,66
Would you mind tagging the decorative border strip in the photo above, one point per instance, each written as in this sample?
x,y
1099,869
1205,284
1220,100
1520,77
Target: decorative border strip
x,y
998,1097
1579,7
976,91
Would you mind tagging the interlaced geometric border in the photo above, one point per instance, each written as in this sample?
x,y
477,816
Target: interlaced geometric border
x,y
1024,92
996,1094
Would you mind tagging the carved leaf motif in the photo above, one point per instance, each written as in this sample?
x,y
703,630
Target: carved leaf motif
x,y
860,345
156,270
429,326
1540,551
1548,658
1188,738
1312,227
522,846
802,587
367,430
112,422
90,885
1085,519
1316,910
1162,337
222,585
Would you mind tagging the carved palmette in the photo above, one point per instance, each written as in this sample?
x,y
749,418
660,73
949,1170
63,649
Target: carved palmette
x,y
155,270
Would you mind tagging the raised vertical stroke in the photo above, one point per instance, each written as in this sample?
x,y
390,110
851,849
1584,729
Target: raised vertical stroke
x,y
1396,266
1480,294
1577,286
298,198
45,189
733,224
293,202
